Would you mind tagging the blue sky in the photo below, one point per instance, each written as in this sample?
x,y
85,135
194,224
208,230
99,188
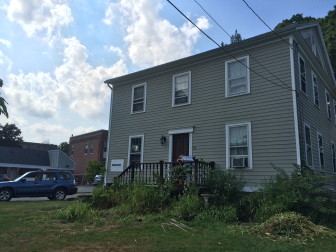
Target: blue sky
x,y
56,54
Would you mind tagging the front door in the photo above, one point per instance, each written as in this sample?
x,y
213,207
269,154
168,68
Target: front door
x,y
180,146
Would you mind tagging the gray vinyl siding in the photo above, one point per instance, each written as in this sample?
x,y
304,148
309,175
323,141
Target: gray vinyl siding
x,y
315,117
268,107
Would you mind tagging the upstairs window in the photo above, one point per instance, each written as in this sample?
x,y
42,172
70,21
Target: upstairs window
x,y
239,146
333,156
91,147
135,153
308,146
302,68
328,104
237,80
139,98
315,90
320,149
86,148
181,89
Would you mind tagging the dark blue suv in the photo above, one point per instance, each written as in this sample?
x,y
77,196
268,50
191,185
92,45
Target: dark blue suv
x,y
52,184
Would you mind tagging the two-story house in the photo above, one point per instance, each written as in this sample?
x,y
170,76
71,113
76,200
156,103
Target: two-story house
x,y
268,100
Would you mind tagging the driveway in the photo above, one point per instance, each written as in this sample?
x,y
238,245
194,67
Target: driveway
x,y
82,190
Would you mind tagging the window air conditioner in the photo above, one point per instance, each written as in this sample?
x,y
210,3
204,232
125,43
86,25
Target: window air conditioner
x,y
239,162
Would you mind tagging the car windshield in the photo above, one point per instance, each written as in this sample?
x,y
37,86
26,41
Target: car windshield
x,y
17,179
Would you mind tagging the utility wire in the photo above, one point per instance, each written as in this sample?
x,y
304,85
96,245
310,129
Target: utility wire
x,y
226,51
287,43
239,44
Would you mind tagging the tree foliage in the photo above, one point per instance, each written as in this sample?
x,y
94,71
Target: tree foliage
x,y
94,168
64,146
3,108
236,37
10,135
328,27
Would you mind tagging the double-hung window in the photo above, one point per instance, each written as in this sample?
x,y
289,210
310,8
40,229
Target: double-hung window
x,y
135,149
302,68
320,149
328,104
333,156
237,80
315,90
86,148
238,145
308,146
139,98
181,89
91,147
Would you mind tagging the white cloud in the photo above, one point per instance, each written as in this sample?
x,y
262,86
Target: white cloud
x,y
43,17
152,40
75,84
6,43
115,50
5,62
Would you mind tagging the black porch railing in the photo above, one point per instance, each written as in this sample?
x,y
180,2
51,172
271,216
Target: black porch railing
x,y
156,173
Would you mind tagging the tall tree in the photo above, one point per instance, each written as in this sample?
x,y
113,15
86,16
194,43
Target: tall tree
x,y
236,37
10,135
64,146
328,27
3,108
295,19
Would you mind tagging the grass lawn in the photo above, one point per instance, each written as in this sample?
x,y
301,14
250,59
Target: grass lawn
x,y
31,226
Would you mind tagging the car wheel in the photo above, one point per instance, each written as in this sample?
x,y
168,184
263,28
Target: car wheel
x,y
5,195
50,197
59,194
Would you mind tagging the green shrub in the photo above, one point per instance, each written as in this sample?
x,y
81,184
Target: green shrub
x,y
77,211
223,214
147,199
225,187
300,192
188,207
104,198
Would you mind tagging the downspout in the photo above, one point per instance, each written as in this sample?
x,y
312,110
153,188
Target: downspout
x,y
295,105
109,132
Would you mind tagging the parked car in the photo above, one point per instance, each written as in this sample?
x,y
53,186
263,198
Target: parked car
x,y
99,179
52,184
3,177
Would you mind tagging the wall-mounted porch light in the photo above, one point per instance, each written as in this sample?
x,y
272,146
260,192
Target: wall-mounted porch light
x,y
163,140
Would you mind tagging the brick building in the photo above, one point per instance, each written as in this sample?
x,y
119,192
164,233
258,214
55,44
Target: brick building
x,y
85,148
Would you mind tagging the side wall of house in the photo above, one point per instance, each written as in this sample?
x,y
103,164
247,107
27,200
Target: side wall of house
x,y
315,117
268,107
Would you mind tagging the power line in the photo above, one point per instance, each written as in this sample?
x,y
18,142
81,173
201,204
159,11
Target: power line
x,y
227,52
267,24
239,44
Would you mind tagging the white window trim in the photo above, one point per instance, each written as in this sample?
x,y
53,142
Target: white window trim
x,y
175,132
227,95
331,152
311,144
142,147
300,57
145,98
317,87
249,137
318,149
189,89
327,107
